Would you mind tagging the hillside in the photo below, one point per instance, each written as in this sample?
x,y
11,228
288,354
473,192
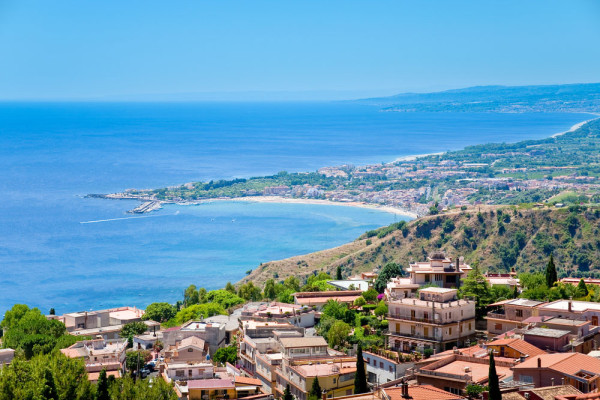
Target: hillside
x,y
494,237
540,98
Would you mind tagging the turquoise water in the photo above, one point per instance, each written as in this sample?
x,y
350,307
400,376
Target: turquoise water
x,y
51,155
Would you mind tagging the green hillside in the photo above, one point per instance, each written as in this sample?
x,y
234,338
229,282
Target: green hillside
x,y
495,238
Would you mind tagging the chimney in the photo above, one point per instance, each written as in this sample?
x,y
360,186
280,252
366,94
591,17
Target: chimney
x,y
324,395
539,362
458,263
570,306
405,390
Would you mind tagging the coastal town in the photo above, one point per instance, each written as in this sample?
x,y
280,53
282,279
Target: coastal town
x,y
547,171
422,334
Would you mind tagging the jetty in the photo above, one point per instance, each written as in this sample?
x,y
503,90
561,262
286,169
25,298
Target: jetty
x,y
146,207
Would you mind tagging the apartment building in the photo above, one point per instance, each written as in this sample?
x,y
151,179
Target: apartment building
x,y
294,314
510,314
381,369
191,349
99,354
437,320
319,299
212,333
582,310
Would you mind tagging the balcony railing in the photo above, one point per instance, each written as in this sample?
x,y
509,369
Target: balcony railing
x,y
417,336
414,319
496,315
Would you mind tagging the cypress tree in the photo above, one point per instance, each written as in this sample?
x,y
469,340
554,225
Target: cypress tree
x,y
493,382
551,275
338,273
102,388
315,390
582,289
516,292
49,391
287,394
360,378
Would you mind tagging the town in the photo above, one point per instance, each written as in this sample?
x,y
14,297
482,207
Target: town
x,y
424,334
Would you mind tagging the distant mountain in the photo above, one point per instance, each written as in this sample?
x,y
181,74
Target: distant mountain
x,y
584,97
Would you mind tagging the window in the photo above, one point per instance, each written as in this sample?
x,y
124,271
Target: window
x,y
391,369
334,381
380,364
427,278
498,327
438,277
450,331
368,360
519,313
469,326
180,372
190,350
526,378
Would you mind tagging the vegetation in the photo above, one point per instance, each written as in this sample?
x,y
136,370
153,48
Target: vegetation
x,y
551,275
360,378
389,271
315,390
226,355
493,381
132,329
159,312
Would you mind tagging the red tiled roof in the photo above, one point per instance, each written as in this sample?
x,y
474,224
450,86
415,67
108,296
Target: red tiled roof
x,y
210,384
421,392
247,381
519,345
568,363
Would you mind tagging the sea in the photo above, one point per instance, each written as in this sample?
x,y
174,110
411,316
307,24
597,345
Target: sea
x,y
59,249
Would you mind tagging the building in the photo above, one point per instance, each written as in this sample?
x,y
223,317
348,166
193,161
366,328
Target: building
x,y
455,372
419,392
437,320
106,323
438,270
305,359
213,334
231,322
381,369
99,354
351,284
147,340
513,348
575,369
509,280
206,389
191,349
319,299
544,393
187,370
547,339
294,314
6,356
571,309
510,314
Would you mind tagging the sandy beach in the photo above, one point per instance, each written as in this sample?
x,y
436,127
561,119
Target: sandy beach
x,y
276,199
575,127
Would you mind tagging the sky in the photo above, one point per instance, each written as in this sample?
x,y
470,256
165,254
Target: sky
x,y
68,50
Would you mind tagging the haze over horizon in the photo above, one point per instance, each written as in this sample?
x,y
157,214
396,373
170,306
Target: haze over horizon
x,y
269,50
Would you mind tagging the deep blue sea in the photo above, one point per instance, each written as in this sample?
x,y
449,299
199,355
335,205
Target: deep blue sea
x,y
51,155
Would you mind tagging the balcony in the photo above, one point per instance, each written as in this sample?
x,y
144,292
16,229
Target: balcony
x,y
410,318
496,315
434,338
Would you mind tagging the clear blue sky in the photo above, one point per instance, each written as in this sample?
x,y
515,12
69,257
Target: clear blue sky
x,y
91,49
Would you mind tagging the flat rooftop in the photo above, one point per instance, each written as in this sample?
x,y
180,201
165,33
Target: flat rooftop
x,y
437,290
576,306
524,303
325,369
546,332
477,372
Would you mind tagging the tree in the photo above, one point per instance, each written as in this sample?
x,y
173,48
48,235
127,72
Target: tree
x,y
159,312
551,275
224,297
338,273
102,387
287,394
133,328
249,292
582,289
226,355
389,271
474,391
360,378
292,283
198,310
338,333
191,296
135,358
49,391
52,311
381,309
359,302
515,292
493,381
230,288
475,285
315,390
370,295
270,291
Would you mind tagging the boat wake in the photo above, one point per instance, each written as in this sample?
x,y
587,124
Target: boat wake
x,y
122,218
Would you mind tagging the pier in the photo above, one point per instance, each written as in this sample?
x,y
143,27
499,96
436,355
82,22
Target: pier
x,y
146,207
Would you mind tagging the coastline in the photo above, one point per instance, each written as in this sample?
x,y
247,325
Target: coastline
x,y
286,200
576,126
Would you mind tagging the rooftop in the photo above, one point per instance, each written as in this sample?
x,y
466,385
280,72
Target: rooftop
x,y
210,384
437,290
576,306
199,326
421,392
519,345
307,341
568,363
325,369
546,332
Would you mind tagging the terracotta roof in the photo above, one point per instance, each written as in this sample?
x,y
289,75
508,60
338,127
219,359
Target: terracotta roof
x,y
519,345
421,392
567,363
512,396
550,393
307,341
191,341
247,381
210,384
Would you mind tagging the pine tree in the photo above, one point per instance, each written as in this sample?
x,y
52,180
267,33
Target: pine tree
x,y
287,394
102,388
582,289
360,378
493,382
315,390
551,276
49,391
338,273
